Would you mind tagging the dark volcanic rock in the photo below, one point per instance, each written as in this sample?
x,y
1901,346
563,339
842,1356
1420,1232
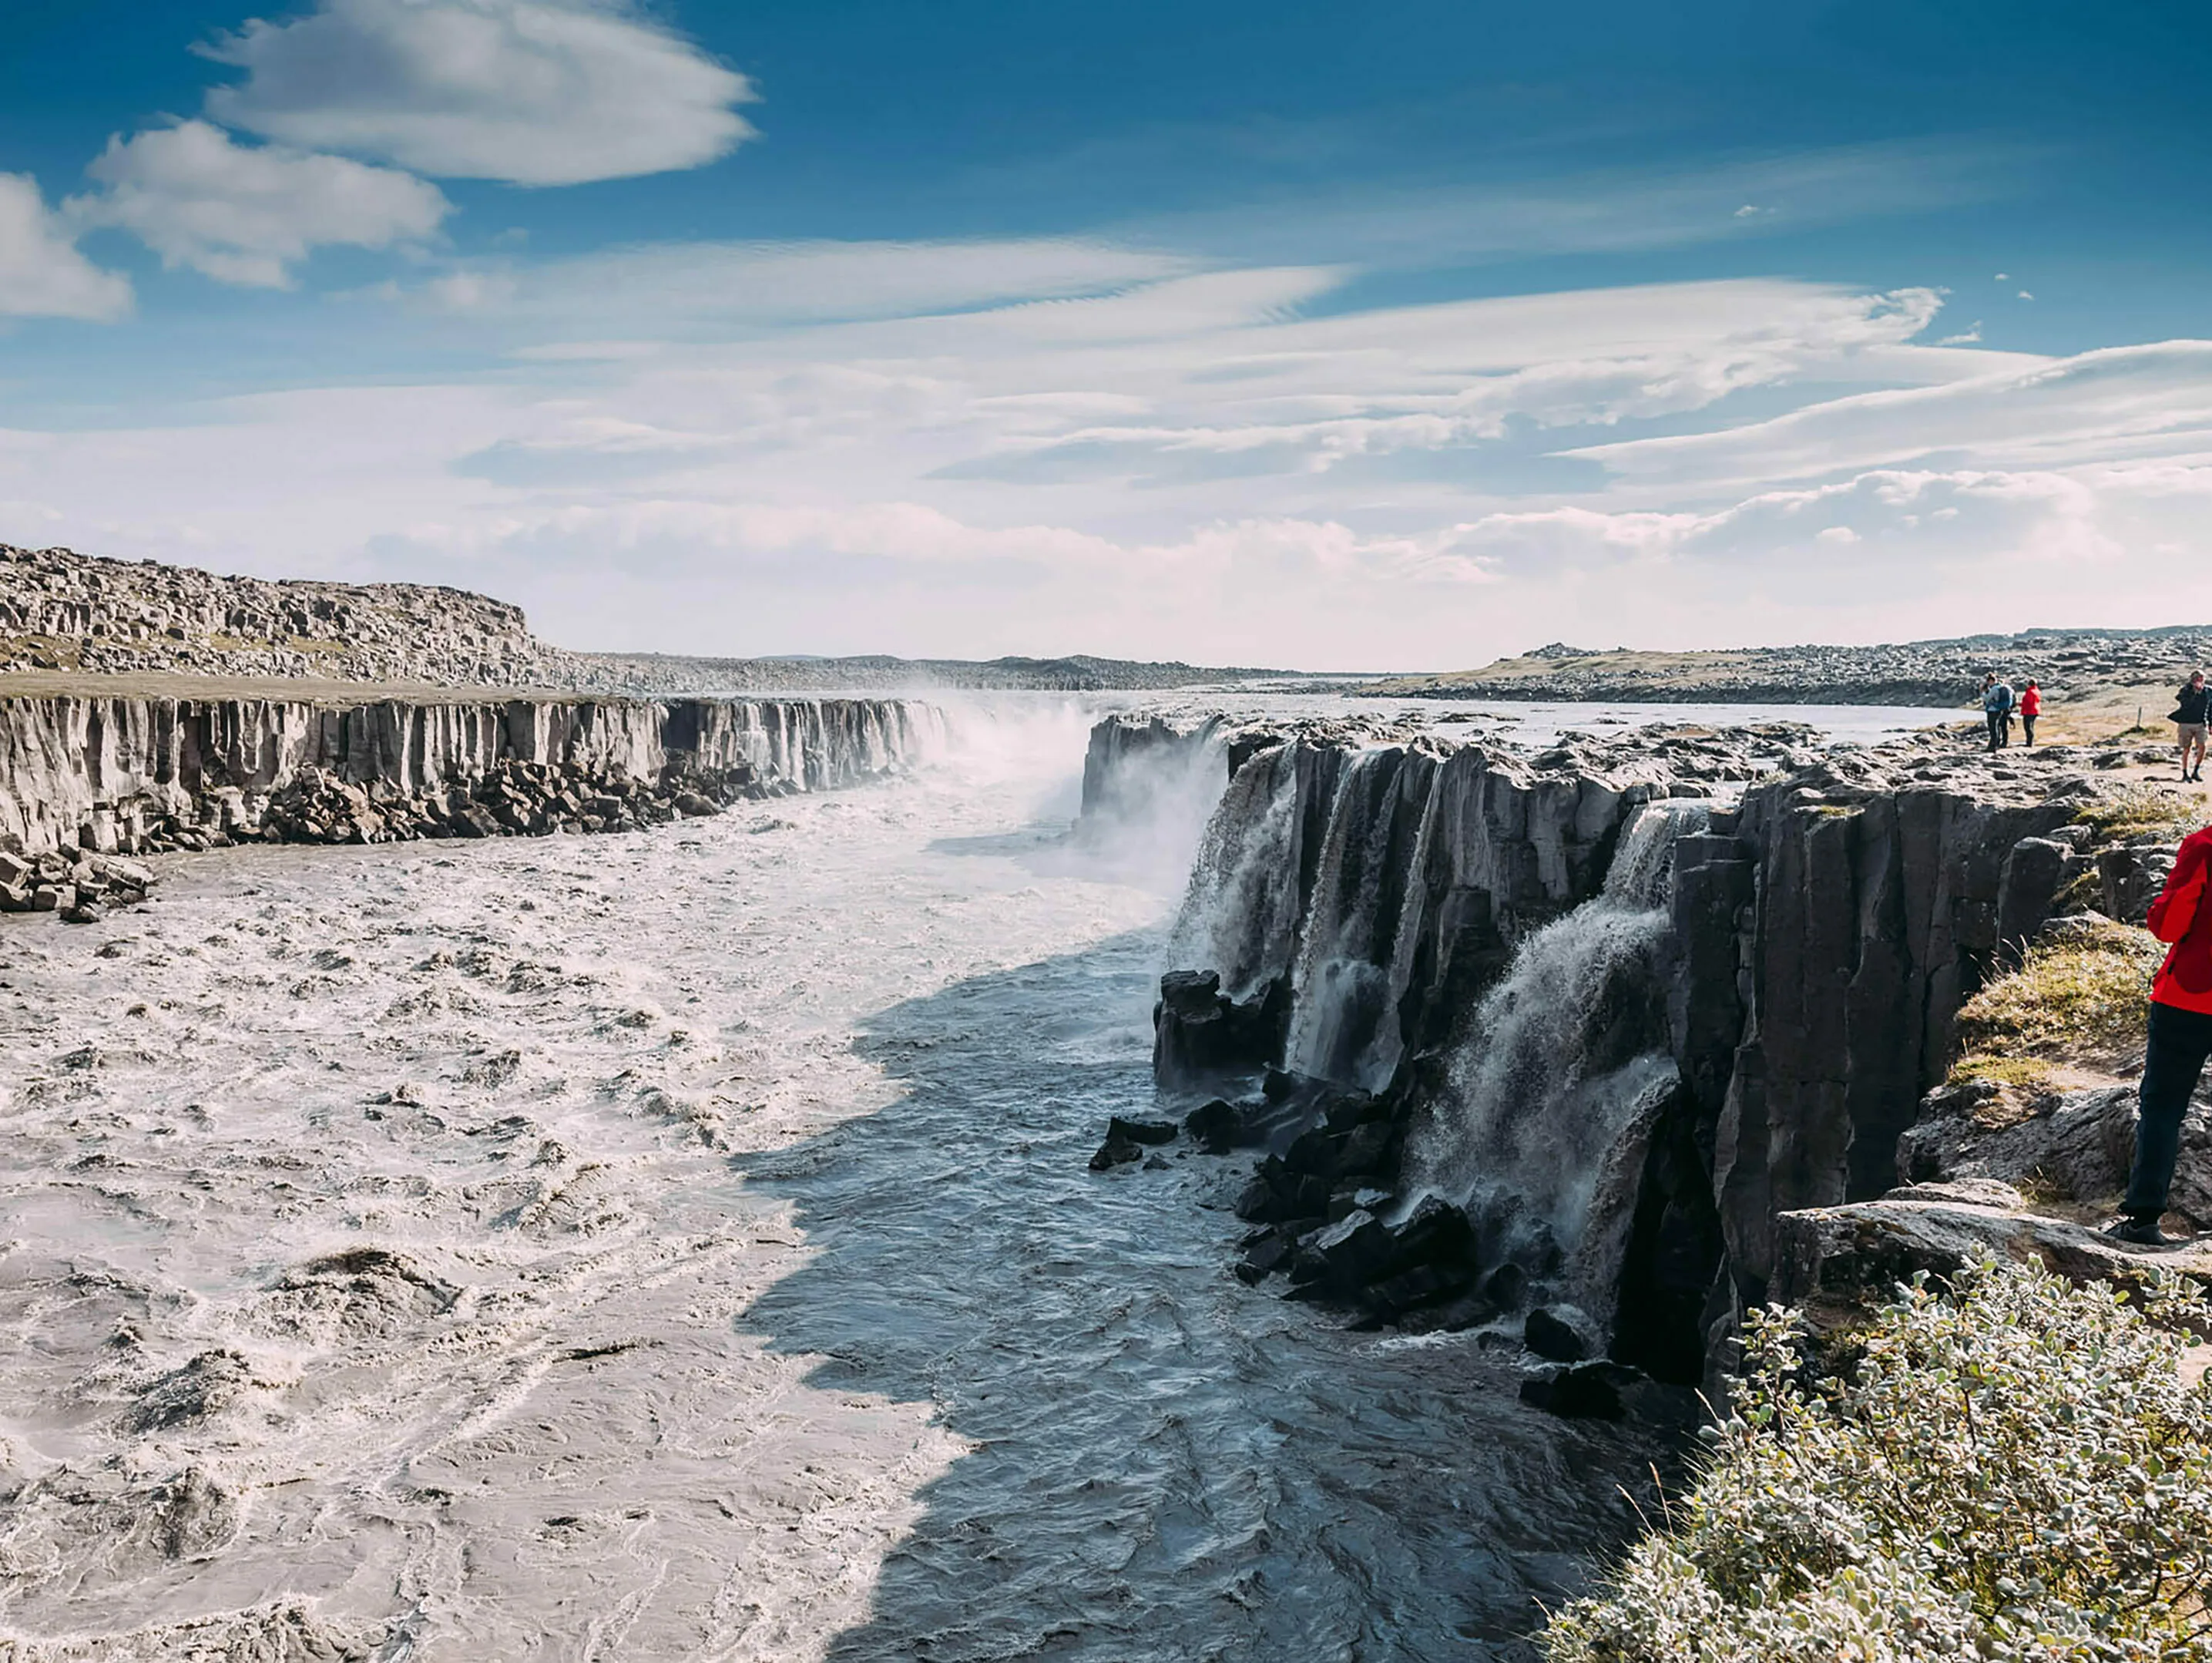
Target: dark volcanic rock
x,y
1553,1338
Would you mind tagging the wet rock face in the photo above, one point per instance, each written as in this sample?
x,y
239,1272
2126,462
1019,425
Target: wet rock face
x,y
115,774
1816,943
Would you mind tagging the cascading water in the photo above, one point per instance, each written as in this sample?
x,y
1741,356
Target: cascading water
x,y
1540,1131
1240,909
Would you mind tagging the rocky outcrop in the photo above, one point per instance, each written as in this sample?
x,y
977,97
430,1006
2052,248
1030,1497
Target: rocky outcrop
x,y
1624,1015
1881,904
119,774
63,611
1834,1263
60,610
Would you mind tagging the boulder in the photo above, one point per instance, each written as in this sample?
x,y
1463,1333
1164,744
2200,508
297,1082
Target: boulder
x,y
1554,1337
1116,1151
1582,1391
1215,1126
1836,1261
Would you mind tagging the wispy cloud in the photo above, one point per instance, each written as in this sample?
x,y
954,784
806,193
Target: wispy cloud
x,y
1609,211
2095,405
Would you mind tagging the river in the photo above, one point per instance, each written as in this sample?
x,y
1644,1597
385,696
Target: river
x,y
680,1246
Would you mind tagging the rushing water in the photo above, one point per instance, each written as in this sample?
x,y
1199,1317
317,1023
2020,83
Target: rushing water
x,y
1558,1070
680,1246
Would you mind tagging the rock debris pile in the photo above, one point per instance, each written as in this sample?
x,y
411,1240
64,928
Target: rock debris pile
x,y
514,799
77,887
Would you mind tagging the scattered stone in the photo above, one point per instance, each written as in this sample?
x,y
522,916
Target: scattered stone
x,y
1552,1338
1141,1131
1582,1391
1215,1127
1116,1151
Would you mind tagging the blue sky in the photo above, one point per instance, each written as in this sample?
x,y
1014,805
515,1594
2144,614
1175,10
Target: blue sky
x,y
1401,334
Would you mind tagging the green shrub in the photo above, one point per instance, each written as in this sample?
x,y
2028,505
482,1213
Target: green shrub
x,y
2015,1470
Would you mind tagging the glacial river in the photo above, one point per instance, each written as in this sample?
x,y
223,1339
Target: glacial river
x,y
680,1246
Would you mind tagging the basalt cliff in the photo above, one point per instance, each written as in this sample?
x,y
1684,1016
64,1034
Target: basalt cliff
x,y
86,777
1597,1031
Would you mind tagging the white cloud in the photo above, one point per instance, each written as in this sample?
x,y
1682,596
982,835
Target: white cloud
x,y
42,275
2105,402
247,216
1068,445
532,92
665,287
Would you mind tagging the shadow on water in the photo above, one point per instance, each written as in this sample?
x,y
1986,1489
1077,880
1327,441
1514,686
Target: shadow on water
x,y
1165,1464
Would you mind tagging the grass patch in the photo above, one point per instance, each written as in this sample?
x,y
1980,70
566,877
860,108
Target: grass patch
x,y
2142,811
2022,1072
2085,998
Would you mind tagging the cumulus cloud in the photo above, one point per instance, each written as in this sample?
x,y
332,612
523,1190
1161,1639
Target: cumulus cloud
x,y
42,274
247,214
532,92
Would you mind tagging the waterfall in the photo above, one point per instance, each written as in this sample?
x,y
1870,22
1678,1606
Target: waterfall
x,y
1240,909
1540,1131
1355,959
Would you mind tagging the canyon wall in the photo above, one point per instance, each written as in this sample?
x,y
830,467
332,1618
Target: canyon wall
x,y
119,773
1623,1075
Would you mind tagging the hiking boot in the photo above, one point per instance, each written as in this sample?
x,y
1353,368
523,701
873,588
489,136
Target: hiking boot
x,y
2139,1233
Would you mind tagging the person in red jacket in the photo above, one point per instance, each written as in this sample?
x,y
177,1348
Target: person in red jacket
x,y
2180,1039
2030,706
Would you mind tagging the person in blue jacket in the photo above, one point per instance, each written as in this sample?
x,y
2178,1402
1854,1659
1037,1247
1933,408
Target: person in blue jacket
x,y
1996,711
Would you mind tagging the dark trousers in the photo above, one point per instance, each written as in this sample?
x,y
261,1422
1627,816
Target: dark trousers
x,y
2000,728
2180,1041
2027,729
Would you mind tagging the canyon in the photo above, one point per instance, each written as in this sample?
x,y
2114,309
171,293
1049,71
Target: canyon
x,y
616,1170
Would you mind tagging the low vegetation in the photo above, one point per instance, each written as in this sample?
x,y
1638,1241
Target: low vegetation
x,y
2142,811
2084,999
2015,1470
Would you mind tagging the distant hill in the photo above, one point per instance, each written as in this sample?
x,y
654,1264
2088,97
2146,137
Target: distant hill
x,y
657,674
2067,662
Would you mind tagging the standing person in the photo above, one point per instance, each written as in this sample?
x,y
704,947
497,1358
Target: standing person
x,y
2188,719
2030,706
2180,1039
1996,711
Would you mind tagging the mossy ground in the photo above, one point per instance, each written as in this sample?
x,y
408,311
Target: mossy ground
x,y
2085,1001
2143,810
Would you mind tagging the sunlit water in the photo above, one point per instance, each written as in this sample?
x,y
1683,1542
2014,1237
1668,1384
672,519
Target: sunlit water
x,y
736,1288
